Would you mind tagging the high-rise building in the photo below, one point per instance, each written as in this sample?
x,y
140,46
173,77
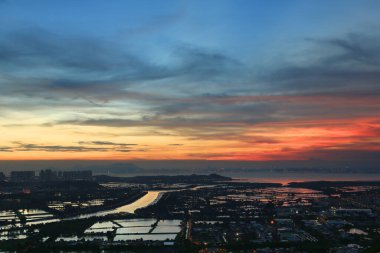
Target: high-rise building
x,y
48,175
2,176
22,176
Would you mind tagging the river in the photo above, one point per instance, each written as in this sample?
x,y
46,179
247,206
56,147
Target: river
x,y
148,199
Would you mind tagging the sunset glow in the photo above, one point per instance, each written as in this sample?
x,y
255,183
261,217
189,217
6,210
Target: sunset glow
x,y
178,81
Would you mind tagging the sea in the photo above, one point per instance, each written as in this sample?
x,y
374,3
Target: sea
x,y
283,178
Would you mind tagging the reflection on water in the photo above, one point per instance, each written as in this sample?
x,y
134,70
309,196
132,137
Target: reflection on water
x,y
136,222
151,198
135,229
356,231
30,216
148,199
167,230
169,223
145,237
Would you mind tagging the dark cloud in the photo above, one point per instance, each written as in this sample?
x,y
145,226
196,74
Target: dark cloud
x,y
99,71
230,111
6,149
123,150
107,146
56,148
113,122
169,122
105,143
93,66
199,64
217,128
228,117
37,48
355,48
349,64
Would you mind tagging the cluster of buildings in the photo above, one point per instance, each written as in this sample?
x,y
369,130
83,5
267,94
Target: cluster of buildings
x,y
214,217
248,215
48,175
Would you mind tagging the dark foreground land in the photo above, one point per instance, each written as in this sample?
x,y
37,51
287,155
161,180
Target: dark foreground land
x,y
191,214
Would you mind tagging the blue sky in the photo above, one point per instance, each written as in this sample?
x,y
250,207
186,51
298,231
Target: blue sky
x,y
244,29
223,73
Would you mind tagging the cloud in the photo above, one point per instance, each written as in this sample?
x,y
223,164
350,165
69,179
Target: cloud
x,y
88,147
123,150
85,63
114,74
355,48
56,148
200,64
349,64
232,111
37,48
199,94
105,143
42,69
6,149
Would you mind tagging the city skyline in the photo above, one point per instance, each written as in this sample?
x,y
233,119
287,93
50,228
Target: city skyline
x,y
199,80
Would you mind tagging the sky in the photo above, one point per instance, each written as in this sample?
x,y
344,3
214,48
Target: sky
x,y
190,80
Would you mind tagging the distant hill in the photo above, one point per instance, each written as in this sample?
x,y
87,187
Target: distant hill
x,y
164,179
